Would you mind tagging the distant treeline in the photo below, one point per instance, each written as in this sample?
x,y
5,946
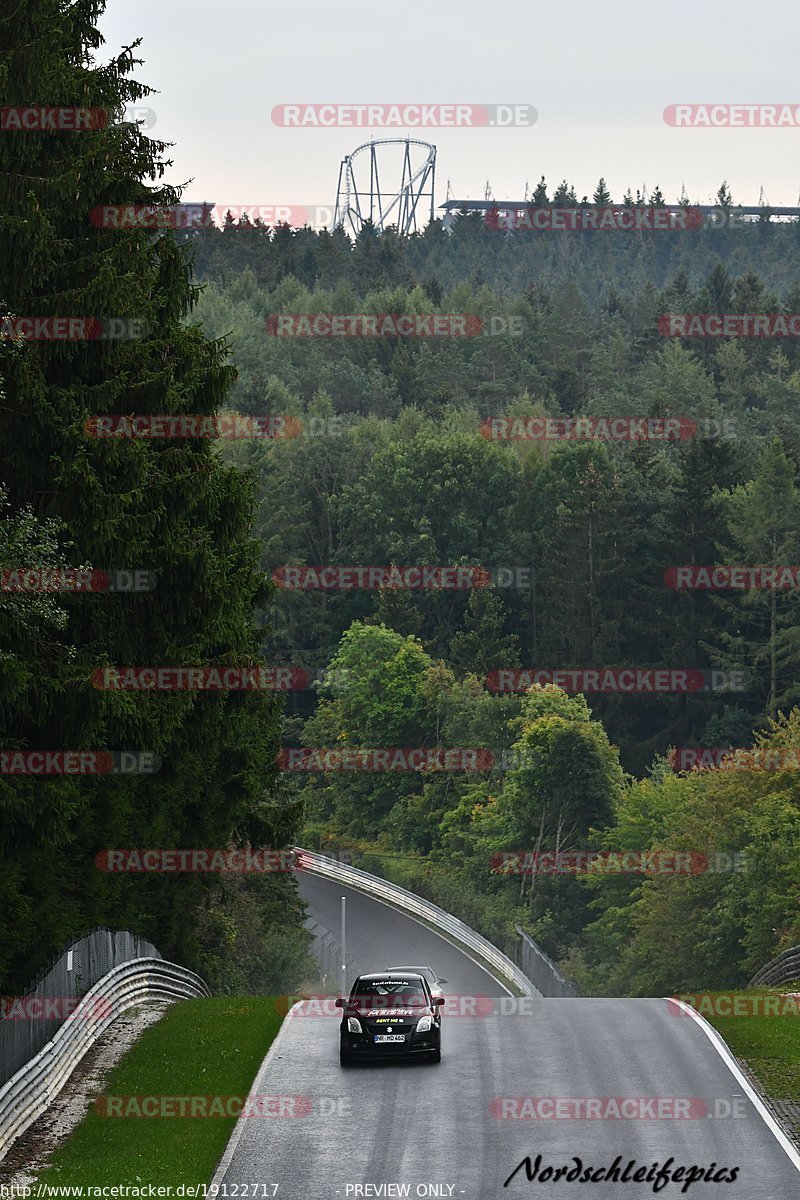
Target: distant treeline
x,y
607,267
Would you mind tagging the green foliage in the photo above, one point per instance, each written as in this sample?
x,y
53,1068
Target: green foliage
x,y
667,933
763,518
378,701
170,507
413,477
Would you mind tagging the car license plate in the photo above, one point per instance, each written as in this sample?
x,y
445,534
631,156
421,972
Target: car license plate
x,y
390,1037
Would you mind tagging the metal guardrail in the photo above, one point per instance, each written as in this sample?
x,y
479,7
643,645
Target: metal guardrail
x,y
544,973
28,1093
780,970
416,906
68,976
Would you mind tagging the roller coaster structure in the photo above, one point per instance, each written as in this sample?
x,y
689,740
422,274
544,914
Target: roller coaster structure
x,y
357,203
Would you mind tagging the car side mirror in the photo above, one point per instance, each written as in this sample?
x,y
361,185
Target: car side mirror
x,y
442,981
438,1000
338,1002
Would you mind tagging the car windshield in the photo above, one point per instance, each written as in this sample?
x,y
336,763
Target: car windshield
x,y
389,993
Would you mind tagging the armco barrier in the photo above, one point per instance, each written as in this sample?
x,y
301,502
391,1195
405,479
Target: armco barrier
x,y
782,969
69,975
416,906
28,1093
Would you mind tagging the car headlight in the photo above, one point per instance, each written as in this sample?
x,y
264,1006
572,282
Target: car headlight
x,y
354,1025
424,1024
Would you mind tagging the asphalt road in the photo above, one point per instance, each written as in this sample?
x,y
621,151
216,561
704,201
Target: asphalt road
x,y
460,1128
396,939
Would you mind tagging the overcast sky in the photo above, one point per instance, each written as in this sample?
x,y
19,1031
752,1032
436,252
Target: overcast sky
x,y
599,75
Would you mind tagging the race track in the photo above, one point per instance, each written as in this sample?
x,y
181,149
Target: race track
x,y
461,1127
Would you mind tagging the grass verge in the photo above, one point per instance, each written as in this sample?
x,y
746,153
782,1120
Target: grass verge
x,y
200,1047
768,1045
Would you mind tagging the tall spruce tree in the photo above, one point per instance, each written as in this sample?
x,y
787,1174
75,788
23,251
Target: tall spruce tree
x,y
168,506
762,517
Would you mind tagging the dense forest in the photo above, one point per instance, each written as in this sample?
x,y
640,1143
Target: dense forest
x,y
401,452
401,457
174,510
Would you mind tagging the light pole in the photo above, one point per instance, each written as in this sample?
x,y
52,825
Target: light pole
x,y
343,940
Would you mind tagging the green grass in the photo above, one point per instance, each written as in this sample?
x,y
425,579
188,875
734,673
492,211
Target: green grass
x,y
769,1045
199,1048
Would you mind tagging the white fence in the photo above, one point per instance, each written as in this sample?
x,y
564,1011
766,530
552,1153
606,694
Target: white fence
x,y
456,930
28,1093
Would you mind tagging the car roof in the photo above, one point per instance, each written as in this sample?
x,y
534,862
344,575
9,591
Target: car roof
x,y
393,973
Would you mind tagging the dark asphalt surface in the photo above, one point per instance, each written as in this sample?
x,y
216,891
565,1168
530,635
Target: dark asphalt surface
x,y
421,1129
395,939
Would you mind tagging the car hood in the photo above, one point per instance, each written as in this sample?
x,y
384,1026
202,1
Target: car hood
x,y
379,1018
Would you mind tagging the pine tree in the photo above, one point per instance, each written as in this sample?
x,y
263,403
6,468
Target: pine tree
x,y
601,195
724,197
564,195
166,506
433,290
482,646
539,198
763,517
